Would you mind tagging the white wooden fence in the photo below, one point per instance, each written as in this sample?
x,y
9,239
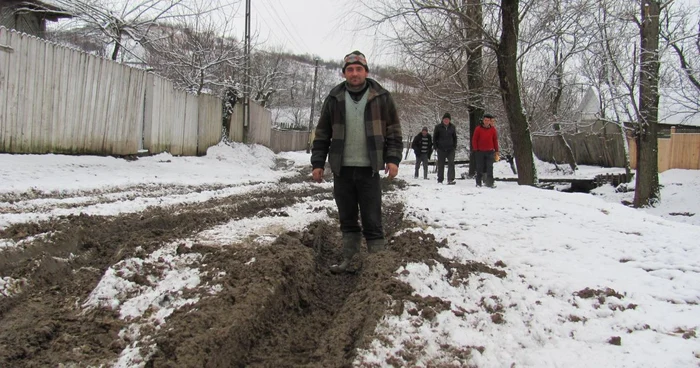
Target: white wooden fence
x,y
288,140
261,131
260,124
60,100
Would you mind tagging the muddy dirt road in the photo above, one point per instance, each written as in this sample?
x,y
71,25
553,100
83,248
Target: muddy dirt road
x,y
242,303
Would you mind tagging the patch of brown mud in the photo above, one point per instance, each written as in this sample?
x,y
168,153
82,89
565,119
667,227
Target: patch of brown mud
x,y
44,325
287,310
278,306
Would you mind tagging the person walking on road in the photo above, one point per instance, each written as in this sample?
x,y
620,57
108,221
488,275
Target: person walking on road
x,y
422,148
360,134
445,142
485,146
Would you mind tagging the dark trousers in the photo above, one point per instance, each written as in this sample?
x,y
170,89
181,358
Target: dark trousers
x,y
484,166
443,156
358,193
422,159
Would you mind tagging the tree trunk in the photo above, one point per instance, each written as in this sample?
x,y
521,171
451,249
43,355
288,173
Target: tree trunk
x,y
556,101
117,45
646,192
570,159
408,144
475,78
506,55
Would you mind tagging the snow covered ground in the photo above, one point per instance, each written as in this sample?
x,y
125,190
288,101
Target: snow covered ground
x,y
590,282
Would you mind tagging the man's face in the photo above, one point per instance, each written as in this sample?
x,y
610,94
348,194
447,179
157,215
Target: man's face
x,y
446,121
424,132
355,75
488,122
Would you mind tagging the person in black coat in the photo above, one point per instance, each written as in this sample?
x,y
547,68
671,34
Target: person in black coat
x,y
445,141
423,148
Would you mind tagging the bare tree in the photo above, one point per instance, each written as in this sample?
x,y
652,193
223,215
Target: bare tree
x,y
610,64
681,31
506,54
443,39
473,23
551,87
268,70
196,54
126,22
647,182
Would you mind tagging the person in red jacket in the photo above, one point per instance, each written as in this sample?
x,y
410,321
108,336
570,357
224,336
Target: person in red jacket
x,y
485,146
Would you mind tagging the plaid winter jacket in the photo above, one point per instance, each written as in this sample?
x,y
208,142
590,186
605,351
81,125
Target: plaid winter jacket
x,y
382,128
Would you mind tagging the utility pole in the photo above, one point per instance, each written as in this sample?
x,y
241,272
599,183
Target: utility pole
x,y
313,105
246,89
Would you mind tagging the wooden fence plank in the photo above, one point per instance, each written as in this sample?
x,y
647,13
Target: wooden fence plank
x,y
235,133
161,110
74,110
168,123
13,90
191,120
120,122
178,118
5,55
6,58
210,123
62,96
97,117
86,99
260,125
26,91
87,118
135,107
148,111
685,150
48,91
162,113
111,122
39,77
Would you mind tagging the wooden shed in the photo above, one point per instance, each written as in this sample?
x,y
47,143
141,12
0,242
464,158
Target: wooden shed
x,y
29,16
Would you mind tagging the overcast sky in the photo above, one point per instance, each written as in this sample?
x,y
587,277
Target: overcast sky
x,y
325,28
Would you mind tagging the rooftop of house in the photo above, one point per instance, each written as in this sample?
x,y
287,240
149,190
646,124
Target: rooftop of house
x,y
51,10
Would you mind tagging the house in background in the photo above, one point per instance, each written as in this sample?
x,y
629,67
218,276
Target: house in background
x,y
585,140
29,16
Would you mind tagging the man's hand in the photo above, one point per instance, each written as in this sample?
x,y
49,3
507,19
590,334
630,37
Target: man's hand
x,y
317,175
392,170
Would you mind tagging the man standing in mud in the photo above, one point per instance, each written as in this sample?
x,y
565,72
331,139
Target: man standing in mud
x,y
360,134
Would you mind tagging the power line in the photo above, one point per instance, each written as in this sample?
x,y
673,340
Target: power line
x,y
279,21
295,30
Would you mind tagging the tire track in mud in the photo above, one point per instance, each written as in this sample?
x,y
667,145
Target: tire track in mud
x,y
43,324
278,306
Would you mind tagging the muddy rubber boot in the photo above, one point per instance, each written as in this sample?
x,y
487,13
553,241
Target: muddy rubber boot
x,y
351,245
376,245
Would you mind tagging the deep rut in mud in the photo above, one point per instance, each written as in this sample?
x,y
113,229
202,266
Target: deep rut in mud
x,y
278,305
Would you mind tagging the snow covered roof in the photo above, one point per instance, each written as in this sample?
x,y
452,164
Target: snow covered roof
x,y
51,10
590,105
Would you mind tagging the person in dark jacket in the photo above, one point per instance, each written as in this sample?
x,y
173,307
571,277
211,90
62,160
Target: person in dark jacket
x,y
360,134
445,143
485,146
422,148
